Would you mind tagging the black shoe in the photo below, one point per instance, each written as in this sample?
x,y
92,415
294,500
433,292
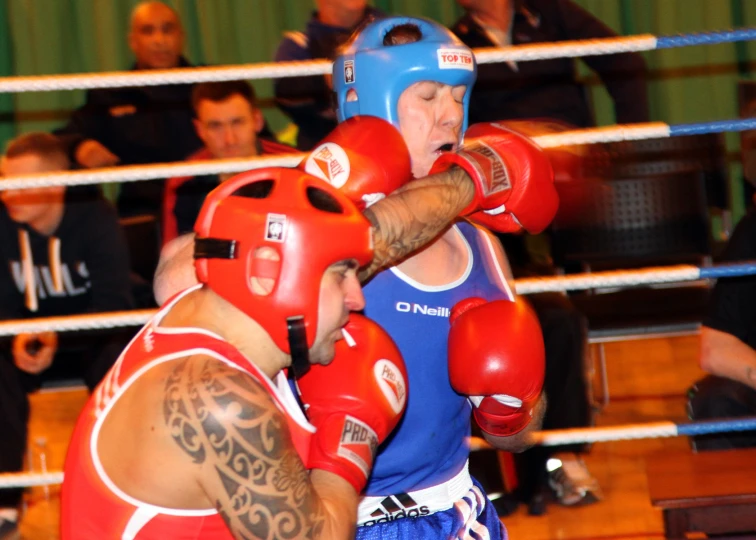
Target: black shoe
x,y
9,530
505,505
537,504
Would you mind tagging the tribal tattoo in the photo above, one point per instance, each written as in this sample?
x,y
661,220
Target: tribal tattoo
x,y
222,416
414,215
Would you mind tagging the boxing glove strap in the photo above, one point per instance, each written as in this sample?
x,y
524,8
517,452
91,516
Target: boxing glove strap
x,y
427,501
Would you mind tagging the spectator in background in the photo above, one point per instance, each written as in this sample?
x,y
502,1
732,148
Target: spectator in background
x,y
139,125
229,122
63,253
307,100
546,88
728,348
549,90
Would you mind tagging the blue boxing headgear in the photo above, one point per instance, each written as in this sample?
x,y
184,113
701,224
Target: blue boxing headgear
x,y
379,73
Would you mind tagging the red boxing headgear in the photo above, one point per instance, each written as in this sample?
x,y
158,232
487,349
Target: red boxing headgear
x,y
308,223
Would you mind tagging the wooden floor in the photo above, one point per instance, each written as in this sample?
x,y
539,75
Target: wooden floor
x,y
647,382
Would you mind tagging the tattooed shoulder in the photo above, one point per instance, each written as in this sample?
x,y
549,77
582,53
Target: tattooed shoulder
x,y
227,423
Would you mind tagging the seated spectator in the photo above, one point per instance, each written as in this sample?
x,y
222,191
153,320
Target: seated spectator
x,y
728,348
228,122
63,253
307,100
139,125
546,88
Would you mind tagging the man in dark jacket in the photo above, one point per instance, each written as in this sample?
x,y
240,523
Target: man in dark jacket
x,y
63,253
549,90
139,125
307,100
546,88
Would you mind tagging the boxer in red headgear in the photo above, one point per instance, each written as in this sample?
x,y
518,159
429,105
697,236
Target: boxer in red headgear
x,y
195,432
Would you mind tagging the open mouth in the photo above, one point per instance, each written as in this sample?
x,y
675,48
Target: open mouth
x,y
448,147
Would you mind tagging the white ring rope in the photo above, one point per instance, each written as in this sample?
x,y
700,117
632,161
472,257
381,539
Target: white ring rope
x,y
16,480
555,437
609,278
575,282
544,438
136,173
616,133
558,437
277,70
566,49
93,321
123,79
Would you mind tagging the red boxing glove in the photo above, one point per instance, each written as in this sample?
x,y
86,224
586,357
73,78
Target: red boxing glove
x,y
514,181
355,401
365,157
578,168
497,358
567,161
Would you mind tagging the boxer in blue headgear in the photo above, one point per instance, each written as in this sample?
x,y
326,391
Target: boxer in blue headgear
x,y
370,76
416,75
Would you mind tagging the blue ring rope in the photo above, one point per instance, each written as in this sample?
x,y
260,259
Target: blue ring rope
x,y
718,126
706,38
717,426
728,270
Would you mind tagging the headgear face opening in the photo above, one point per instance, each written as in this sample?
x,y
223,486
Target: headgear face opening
x,y
281,209
379,73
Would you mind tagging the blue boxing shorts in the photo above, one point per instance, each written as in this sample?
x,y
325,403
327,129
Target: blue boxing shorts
x,y
409,516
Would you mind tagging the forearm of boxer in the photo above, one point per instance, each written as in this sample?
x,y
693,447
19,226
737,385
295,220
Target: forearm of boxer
x,y
415,214
725,355
339,499
175,271
521,441
232,432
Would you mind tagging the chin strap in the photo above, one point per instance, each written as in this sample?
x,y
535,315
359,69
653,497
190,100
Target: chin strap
x,y
300,356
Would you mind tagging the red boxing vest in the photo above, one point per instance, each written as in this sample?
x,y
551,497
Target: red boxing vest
x,y
92,506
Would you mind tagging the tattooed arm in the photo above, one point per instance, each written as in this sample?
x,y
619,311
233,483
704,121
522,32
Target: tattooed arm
x,y
414,215
229,425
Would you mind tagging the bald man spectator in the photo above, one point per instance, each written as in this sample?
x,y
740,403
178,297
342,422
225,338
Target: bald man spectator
x,y
307,100
139,125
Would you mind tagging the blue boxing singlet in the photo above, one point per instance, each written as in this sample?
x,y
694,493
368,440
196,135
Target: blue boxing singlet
x,y
430,444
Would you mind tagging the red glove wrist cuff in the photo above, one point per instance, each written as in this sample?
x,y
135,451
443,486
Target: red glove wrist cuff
x,y
503,426
449,159
344,446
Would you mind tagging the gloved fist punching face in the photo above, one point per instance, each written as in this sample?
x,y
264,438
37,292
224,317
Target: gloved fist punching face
x,y
355,401
513,177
